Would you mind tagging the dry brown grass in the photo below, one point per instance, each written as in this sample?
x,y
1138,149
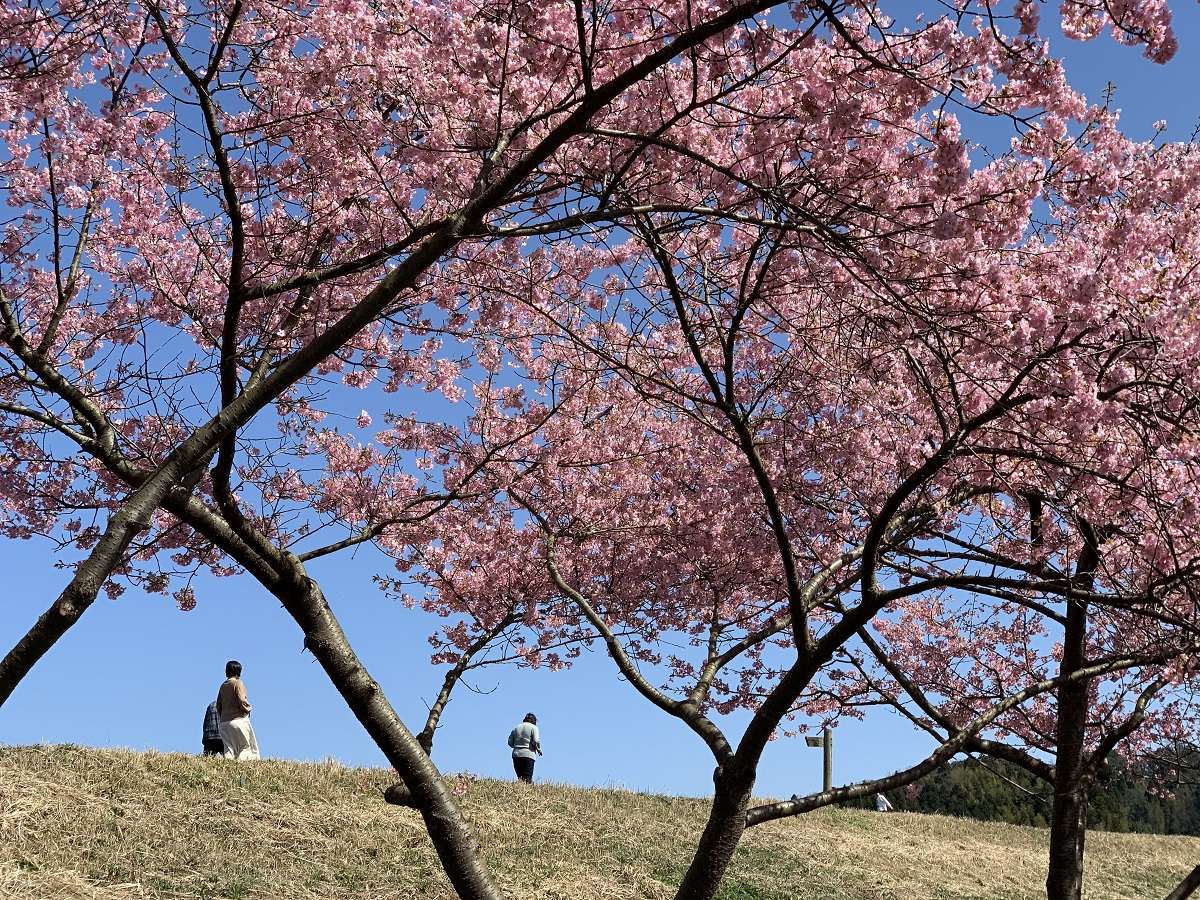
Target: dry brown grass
x,y
80,823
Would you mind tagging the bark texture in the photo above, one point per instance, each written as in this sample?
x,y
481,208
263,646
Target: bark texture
x,y
722,832
448,829
1186,887
125,524
1068,817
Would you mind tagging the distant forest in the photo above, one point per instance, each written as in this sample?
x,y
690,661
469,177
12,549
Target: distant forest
x,y
1151,798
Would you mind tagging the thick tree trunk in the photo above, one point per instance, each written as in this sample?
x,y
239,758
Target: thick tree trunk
x,y
1068,819
451,835
722,833
1186,887
126,523
51,625
1068,829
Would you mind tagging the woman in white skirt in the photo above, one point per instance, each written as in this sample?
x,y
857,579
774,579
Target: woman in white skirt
x,y
233,711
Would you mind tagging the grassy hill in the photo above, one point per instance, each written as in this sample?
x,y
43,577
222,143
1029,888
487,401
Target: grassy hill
x,y
110,825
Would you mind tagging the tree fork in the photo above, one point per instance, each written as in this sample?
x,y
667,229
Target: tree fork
x,y
284,576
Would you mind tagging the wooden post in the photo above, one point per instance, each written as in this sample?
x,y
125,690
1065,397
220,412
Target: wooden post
x,y
828,744
825,741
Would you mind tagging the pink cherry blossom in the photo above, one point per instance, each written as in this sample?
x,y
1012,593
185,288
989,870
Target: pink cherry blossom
x,y
681,328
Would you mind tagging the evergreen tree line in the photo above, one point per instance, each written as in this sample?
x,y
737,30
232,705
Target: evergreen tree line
x,y
1159,796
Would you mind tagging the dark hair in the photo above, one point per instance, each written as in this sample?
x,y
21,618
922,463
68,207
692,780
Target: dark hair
x,y
233,669
531,718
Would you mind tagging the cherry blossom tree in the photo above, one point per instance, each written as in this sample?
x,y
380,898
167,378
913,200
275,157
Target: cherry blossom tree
x,y
973,652
772,437
218,206
229,215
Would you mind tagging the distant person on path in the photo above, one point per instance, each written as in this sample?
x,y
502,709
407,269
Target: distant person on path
x,y
233,710
882,804
211,736
526,746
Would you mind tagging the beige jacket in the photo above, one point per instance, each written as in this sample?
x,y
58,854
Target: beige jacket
x,y
231,700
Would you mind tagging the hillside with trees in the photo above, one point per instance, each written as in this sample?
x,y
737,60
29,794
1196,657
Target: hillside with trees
x,y
1141,798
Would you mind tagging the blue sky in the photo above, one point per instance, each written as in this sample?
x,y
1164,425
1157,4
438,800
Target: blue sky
x,y
136,672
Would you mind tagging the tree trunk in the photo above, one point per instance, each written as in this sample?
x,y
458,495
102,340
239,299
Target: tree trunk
x,y
1187,886
1068,828
323,636
126,523
51,625
722,833
1068,818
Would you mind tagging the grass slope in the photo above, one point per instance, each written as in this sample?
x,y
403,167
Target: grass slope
x,y
112,825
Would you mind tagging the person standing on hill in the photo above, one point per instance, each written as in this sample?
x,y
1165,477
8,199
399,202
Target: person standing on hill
x,y
211,736
882,804
233,710
526,746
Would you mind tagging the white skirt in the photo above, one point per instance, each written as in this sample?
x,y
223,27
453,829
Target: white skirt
x,y
238,737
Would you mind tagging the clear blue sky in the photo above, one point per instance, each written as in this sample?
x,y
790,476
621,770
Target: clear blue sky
x,y
137,672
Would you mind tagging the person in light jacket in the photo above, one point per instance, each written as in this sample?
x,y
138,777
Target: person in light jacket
x,y
526,746
233,709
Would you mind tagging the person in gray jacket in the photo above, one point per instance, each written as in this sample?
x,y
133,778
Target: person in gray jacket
x,y
526,746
